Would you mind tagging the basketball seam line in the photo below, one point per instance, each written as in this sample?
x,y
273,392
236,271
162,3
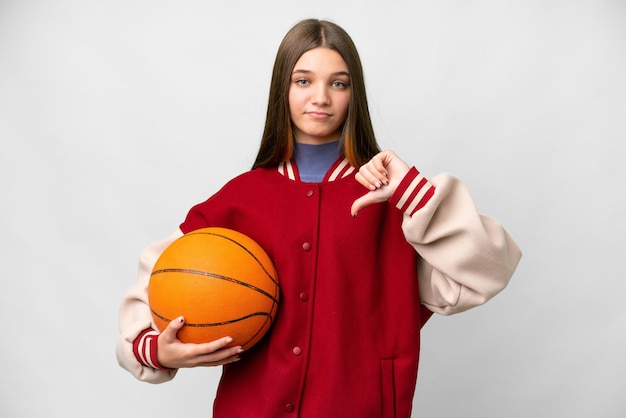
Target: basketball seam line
x,y
240,245
215,276
216,324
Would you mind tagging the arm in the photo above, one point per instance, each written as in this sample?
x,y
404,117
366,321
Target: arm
x,y
136,321
155,357
466,258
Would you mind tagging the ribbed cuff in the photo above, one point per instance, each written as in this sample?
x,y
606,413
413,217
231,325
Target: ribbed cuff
x,y
145,349
413,192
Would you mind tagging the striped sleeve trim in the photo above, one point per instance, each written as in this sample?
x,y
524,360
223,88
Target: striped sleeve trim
x,y
145,349
413,192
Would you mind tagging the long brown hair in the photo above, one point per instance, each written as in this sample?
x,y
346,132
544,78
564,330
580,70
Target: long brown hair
x,y
357,137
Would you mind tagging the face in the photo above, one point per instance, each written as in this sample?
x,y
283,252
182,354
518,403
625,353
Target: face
x,y
319,95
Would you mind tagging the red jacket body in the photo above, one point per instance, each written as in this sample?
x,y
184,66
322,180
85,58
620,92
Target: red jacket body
x,y
346,337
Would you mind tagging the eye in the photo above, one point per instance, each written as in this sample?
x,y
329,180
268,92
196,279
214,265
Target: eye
x,y
339,84
302,82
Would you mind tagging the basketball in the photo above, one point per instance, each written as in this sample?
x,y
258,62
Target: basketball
x,y
221,281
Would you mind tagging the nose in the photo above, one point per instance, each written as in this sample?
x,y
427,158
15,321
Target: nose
x,y
319,95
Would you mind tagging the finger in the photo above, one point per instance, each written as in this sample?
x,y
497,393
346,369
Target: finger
x,y
376,169
369,177
357,205
364,182
379,162
374,172
212,351
221,362
214,345
205,354
227,355
172,328
366,200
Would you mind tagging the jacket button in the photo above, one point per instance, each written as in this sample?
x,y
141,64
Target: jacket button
x,y
309,193
303,296
290,407
296,351
306,246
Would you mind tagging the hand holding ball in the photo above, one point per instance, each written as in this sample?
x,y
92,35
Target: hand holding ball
x,y
221,281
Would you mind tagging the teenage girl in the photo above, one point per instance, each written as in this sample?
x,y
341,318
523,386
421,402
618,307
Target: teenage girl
x,y
366,248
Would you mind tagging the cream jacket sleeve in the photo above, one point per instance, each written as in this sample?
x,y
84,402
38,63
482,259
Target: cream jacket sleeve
x,y
135,316
466,258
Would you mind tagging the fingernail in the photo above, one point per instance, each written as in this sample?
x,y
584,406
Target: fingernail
x,y
354,215
181,319
229,340
240,350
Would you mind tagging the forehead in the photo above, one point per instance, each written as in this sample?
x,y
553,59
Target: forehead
x,y
321,60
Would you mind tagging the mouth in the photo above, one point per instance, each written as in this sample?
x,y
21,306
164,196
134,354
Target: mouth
x,y
318,115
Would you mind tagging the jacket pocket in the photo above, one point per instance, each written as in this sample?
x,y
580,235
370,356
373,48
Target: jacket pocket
x,y
387,389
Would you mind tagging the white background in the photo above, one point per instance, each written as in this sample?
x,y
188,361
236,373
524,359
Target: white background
x,y
117,116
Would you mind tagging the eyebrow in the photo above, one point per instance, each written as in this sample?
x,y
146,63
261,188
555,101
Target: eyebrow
x,y
338,73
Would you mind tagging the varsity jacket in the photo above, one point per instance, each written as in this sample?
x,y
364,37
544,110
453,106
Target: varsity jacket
x,y
354,291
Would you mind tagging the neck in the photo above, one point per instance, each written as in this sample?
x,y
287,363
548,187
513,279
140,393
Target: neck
x,y
314,160
301,138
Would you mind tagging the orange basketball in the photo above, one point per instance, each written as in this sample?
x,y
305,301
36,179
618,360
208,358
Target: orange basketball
x,y
221,281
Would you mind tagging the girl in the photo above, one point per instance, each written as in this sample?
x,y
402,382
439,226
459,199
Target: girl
x,y
364,256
